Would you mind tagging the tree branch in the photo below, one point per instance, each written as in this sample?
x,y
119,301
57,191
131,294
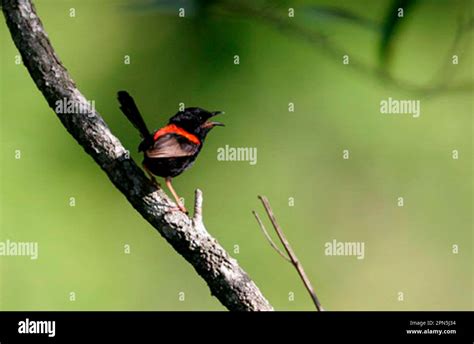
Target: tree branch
x,y
291,254
226,280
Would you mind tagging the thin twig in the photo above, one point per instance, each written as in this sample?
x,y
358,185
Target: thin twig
x,y
293,259
198,206
270,240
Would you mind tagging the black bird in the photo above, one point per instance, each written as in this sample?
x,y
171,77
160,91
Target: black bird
x,y
172,149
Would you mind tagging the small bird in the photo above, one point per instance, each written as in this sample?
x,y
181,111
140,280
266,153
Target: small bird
x,y
171,150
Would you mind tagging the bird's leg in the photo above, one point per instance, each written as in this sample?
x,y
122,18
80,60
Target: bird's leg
x,y
175,195
152,177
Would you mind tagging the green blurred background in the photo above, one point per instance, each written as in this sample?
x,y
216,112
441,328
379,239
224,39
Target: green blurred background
x,y
407,249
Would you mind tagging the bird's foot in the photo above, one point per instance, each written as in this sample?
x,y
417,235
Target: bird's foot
x,y
178,208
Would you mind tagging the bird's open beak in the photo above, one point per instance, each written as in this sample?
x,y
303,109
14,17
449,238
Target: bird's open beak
x,y
211,124
216,124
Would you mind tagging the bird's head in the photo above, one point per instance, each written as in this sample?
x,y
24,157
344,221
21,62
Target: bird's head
x,y
196,121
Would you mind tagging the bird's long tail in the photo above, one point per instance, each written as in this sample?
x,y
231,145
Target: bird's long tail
x,y
130,109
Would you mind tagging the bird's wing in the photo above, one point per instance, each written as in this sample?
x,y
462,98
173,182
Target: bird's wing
x,y
172,146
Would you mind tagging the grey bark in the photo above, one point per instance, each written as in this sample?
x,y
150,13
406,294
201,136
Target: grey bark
x,y
226,280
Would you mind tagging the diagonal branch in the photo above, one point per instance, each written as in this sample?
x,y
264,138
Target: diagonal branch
x,y
291,254
226,280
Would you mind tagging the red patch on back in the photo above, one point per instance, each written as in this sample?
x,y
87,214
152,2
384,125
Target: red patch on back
x,y
174,129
